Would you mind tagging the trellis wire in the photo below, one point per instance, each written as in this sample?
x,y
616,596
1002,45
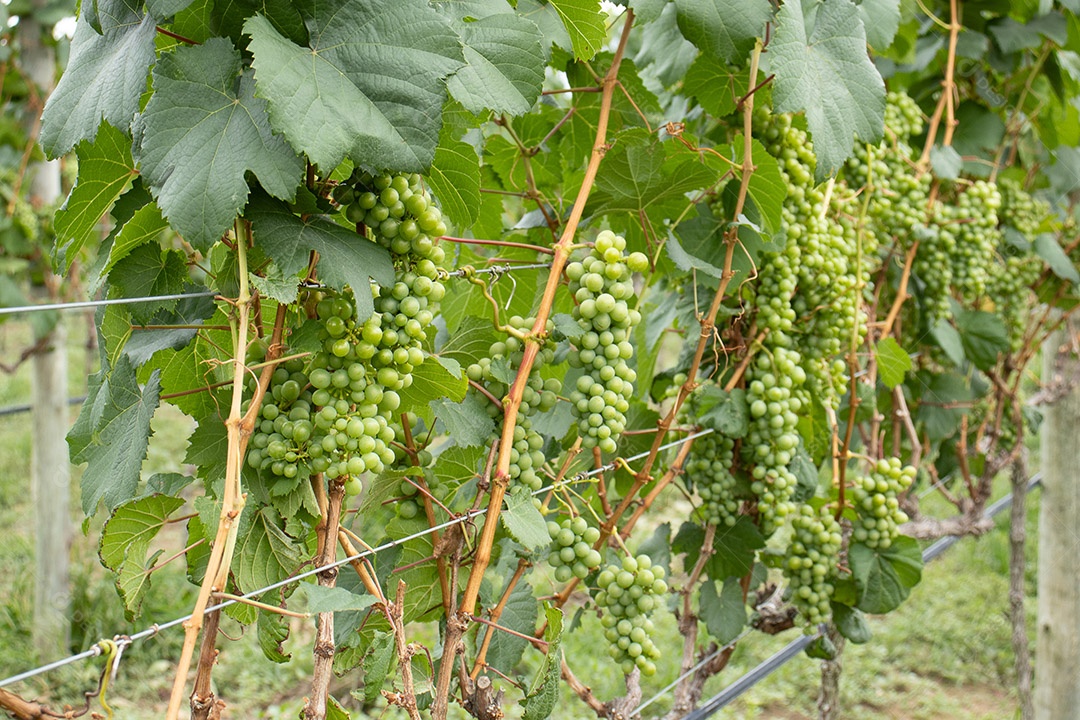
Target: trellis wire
x,y
496,270
771,664
156,628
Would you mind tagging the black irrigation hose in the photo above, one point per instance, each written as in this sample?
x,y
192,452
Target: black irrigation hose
x,y
726,696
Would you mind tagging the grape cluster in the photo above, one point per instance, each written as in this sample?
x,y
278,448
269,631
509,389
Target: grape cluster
x,y
977,237
708,468
572,553
628,594
602,287
903,116
874,498
496,372
1011,282
337,415
810,562
773,439
396,206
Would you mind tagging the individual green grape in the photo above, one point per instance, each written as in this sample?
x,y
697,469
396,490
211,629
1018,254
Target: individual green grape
x,y
602,287
628,594
875,499
572,554
810,563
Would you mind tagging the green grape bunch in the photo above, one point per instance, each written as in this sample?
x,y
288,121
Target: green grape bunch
x,y
876,502
602,287
810,562
539,396
572,554
628,594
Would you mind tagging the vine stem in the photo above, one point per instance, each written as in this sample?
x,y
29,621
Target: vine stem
x,y
523,564
239,427
500,480
948,90
688,623
217,567
315,708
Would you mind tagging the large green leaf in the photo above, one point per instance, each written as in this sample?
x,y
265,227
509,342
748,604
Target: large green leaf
x,y
125,540
724,613
201,132
725,29
144,226
112,433
544,691
504,69
584,23
519,615
881,18
105,170
893,362
828,75
455,178
884,578
150,271
524,521
346,258
105,76
983,337
639,177
371,84
264,553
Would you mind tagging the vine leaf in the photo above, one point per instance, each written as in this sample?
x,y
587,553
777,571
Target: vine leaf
x,y
371,84
162,9
519,615
467,422
504,69
455,178
347,258
893,362
105,171
851,623
334,599
144,226
584,23
829,75
432,379
724,613
264,554
983,337
881,18
202,130
524,521
150,271
544,692
112,433
884,578
717,85
1047,247
125,540
105,76
724,29
378,663
273,631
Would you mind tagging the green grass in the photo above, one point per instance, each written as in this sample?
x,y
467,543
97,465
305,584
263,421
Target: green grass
x,y
945,653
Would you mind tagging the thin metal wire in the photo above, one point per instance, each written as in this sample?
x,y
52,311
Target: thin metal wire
x,y
496,270
156,628
708,658
82,305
